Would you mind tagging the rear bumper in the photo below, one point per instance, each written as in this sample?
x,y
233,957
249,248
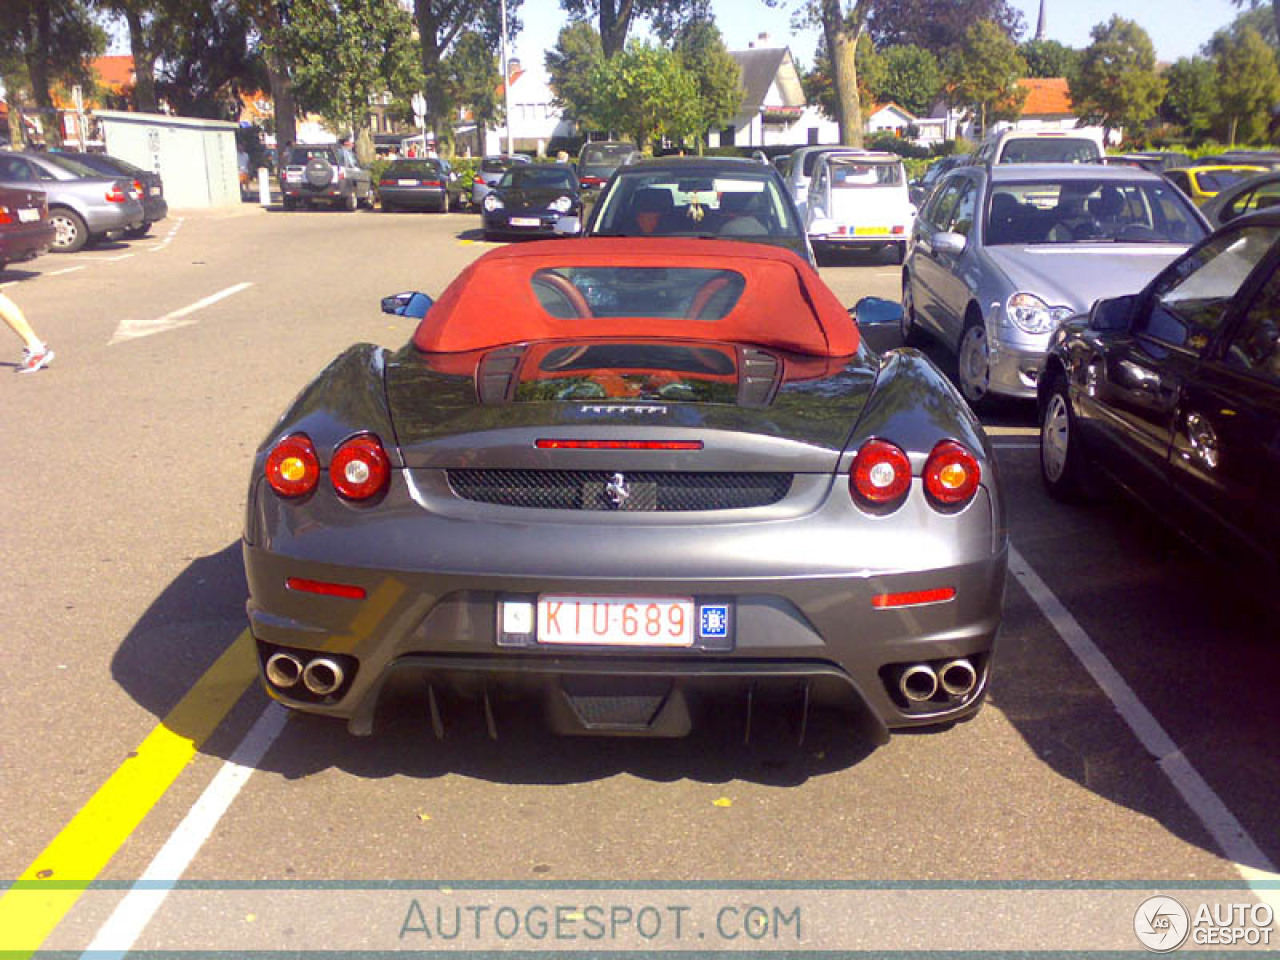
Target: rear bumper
x,y
426,197
123,216
155,209
26,242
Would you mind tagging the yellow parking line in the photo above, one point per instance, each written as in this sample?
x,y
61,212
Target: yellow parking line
x,y
1012,431
50,887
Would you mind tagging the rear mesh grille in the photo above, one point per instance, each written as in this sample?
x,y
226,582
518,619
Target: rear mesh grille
x,y
623,492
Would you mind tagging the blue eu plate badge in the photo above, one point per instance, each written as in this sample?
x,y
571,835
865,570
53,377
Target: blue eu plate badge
x,y
713,621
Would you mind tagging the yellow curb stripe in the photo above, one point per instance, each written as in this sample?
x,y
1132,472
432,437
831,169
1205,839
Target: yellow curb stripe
x,y
78,854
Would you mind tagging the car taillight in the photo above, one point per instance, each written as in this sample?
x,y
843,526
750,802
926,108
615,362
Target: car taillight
x,y
116,194
386,182
359,468
292,466
951,474
342,173
138,188
431,183
479,179
6,215
881,474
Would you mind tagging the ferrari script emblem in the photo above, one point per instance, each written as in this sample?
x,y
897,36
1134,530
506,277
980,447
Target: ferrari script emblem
x,y
616,490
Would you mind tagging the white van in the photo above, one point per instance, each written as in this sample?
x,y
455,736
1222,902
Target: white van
x,y
1081,145
860,201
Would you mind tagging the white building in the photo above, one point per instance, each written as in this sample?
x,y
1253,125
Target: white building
x,y
535,120
773,111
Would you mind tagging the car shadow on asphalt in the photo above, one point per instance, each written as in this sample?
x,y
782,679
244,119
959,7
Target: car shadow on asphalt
x,y
475,234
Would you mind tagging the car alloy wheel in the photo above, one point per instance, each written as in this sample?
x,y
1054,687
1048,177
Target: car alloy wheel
x,y
910,331
69,231
1063,462
974,364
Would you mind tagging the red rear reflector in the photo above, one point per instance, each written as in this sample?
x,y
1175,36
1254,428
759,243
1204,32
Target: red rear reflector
x,y
619,444
326,589
913,598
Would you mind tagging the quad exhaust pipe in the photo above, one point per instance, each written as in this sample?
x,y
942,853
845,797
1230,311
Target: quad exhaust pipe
x,y
920,681
322,676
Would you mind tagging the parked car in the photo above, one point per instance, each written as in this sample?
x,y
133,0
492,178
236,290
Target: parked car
x,y
419,183
1268,159
25,230
1081,145
860,202
919,190
84,206
325,173
536,199
800,171
1157,161
1001,255
1243,196
602,473
1203,181
490,172
599,158
728,197
1174,391
148,184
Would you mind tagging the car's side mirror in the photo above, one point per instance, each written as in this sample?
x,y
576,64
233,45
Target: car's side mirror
x,y
952,243
1114,315
821,226
879,322
410,304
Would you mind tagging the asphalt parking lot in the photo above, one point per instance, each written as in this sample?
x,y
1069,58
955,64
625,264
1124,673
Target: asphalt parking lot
x,y
1128,737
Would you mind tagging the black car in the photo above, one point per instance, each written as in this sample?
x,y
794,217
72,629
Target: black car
x,y
148,184
533,200
727,198
1174,392
423,183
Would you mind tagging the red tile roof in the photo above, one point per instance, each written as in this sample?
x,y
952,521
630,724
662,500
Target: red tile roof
x,y
115,73
1046,97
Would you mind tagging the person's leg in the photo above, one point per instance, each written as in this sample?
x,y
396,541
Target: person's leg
x,y
36,354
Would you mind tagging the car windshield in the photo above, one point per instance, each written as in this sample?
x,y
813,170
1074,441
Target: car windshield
x,y
631,371
675,204
413,168
607,155
531,177
688,293
1049,150
73,167
1092,211
850,173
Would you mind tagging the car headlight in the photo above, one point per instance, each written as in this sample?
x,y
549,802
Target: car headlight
x,y
562,204
1028,312
492,202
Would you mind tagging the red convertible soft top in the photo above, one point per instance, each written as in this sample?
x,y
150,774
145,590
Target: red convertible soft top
x,y
784,304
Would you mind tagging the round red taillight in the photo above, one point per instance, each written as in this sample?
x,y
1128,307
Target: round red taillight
x,y
881,474
359,468
951,474
292,467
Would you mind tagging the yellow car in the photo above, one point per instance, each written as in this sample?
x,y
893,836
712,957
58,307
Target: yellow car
x,y
1202,182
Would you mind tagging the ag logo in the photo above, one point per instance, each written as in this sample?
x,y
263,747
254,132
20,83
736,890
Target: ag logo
x,y
1161,923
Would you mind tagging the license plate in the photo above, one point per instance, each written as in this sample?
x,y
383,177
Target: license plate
x,y
870,231
291,177
28,214
616,621
525,222
407,183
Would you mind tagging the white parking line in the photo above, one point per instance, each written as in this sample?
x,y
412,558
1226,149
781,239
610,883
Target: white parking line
x,y
133,329
1230,835
58,273
116,937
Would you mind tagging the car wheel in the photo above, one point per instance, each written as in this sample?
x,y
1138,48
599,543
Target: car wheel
x,y
1063,462
69,231
973,365
490,237
912,335
898,252
289,203
136,233
351,203
444,203
388,207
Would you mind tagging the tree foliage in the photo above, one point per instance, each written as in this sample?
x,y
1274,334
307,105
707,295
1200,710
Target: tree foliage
x,y
718,78
1049,58
615,18
475,80
346,51
911,77
1272,33
209,61
646,93
1191,100
1248,83
570,64
938,26
982,75
1118,85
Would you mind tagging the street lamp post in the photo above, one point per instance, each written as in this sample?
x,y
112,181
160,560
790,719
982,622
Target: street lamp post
x,y
506,79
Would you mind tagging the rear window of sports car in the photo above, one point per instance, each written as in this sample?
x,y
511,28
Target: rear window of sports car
x,y
689,293
630,371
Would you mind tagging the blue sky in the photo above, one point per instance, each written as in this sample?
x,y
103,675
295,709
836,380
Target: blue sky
x,y
1177,27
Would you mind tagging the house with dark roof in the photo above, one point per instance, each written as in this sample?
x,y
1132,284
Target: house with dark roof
x,y
774,111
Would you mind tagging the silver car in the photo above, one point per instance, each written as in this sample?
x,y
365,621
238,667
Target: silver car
x,y
1001,255
84,205
490,171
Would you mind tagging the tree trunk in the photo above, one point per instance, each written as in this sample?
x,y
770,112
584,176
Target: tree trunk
x,y
144,64
17,135
1231,137
615,22
842,45
38,70
286,111
429,38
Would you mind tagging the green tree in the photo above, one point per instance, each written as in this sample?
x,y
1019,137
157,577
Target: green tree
x,y
269,19
911,77
209,61
1049,58
841,29
475,80
938,26
982,75
1191,98
616,17
346,51
704,57
45,44
819,89
152,26
1248,84
1272,35
646,93
1118,84
570,64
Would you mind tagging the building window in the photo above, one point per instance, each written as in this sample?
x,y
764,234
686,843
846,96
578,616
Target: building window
x,y
728,135
813,136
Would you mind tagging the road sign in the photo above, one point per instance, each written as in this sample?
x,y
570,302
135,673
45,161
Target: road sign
x,y
419,103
